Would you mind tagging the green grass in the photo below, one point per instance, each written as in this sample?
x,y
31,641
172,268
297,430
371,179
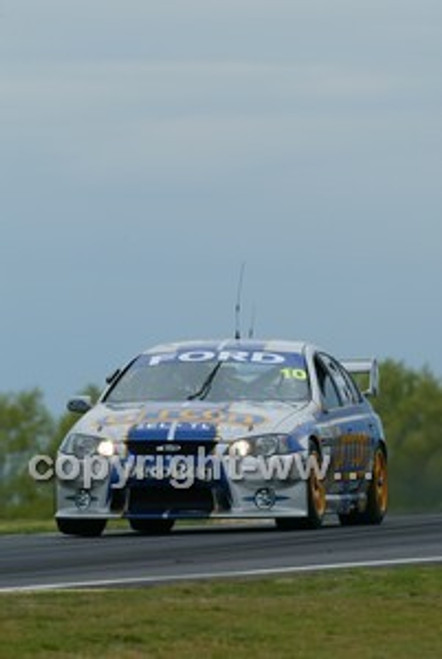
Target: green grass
x,y
26,526
368,614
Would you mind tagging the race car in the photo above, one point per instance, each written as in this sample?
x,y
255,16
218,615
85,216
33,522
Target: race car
x,y
233,429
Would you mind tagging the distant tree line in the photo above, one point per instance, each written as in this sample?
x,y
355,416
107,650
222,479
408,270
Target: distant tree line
x,y
27,428
410,405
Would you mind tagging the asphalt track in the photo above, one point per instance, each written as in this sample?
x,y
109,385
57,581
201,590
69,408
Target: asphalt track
x,y
120,558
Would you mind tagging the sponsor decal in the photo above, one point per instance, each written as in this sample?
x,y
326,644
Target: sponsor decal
x,y
241,356
149,418
265,498
352,453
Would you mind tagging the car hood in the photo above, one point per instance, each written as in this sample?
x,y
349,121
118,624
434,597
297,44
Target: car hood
x,y
229,420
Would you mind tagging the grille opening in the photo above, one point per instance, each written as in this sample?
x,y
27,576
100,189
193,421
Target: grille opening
x,y
161,498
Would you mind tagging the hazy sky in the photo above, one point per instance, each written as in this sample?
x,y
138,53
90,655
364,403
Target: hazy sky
x,y
148,148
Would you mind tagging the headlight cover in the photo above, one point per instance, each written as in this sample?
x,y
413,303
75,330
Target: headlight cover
x,y
80,445
265,445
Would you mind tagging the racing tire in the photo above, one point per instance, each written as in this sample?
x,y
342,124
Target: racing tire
x,y
316,502
152,526
377,495
88,528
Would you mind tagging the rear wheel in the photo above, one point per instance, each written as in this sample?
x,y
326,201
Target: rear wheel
x,y
377,495
316,500
151,526
83,527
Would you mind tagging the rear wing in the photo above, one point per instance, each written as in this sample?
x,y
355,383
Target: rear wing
x,y
368,366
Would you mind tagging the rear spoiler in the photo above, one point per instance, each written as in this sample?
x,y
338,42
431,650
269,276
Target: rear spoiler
x,y
368,366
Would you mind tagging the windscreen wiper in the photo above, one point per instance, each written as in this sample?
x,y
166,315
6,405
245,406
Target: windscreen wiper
x,y
205,387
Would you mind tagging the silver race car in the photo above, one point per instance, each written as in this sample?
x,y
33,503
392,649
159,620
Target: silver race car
x,y
235,429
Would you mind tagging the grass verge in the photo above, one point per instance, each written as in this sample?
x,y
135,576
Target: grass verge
x,y
369,614
26,526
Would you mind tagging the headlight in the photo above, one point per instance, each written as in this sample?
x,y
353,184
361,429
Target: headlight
x,y
80,445
265,445
241,448
106,448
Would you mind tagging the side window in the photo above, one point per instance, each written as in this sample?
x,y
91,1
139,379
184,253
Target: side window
x,y
327,385
346,392
352,386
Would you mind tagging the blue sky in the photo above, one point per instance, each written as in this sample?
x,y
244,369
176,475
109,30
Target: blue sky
x,y
148,149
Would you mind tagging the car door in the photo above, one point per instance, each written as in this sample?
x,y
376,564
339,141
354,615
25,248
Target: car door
x,y
329,420
352,448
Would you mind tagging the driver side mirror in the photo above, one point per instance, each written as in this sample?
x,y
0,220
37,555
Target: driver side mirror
x,y
79,404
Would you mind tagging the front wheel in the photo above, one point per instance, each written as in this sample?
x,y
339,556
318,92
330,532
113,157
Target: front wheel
x,y
377,495
83,527
316,501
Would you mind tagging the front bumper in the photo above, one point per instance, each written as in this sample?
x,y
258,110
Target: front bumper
x,y
224,497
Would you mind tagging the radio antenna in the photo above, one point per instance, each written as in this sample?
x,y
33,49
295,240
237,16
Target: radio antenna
x,y
252,323
238,303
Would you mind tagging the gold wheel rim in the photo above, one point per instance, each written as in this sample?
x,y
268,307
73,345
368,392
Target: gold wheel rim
x,y
380,480
318,490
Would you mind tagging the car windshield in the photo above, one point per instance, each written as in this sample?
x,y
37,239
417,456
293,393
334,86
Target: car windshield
x,y
205,375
